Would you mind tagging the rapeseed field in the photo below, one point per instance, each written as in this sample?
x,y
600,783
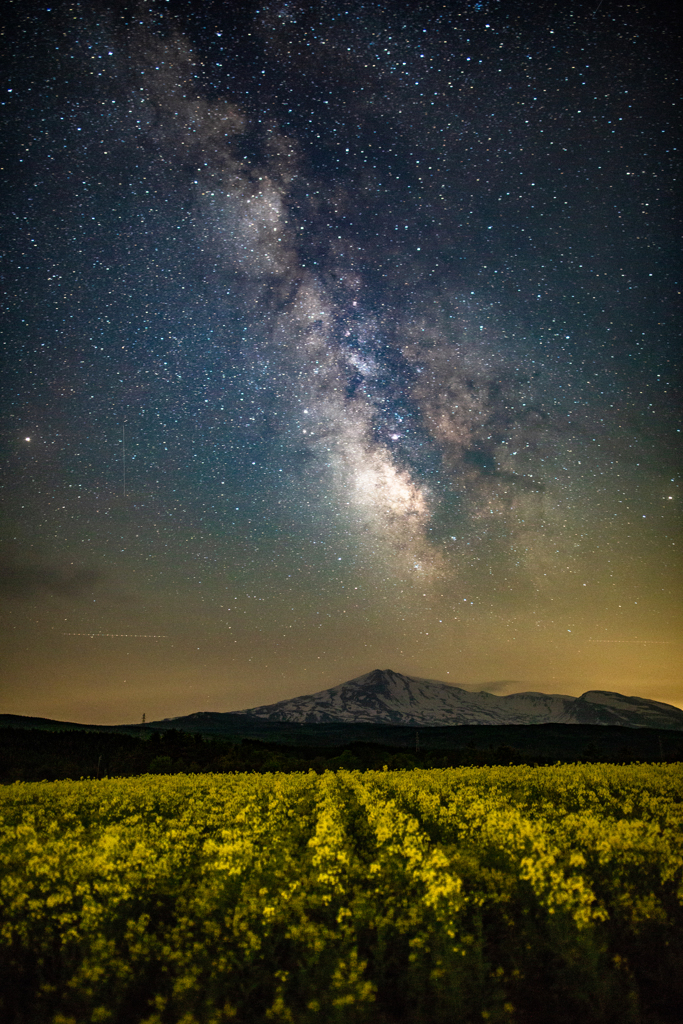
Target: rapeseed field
x,y
516,894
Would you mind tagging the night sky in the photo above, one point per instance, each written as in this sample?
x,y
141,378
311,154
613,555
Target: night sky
x,y
338,337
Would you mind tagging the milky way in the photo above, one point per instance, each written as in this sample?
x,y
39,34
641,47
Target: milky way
x,y
382,298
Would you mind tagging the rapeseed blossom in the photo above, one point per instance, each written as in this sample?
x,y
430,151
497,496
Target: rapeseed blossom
x,y
419,895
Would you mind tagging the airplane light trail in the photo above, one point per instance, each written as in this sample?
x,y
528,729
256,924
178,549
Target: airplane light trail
x,y
145,636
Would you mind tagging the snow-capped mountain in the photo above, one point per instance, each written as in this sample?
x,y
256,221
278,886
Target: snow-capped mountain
x,y
384,697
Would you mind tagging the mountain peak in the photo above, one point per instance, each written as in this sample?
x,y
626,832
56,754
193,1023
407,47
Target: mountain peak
x,y
386,697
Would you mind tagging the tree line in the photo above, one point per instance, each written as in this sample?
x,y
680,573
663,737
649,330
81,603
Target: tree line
x,y
34,755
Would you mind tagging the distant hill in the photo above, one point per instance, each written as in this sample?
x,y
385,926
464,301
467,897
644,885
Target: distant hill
x,y
54,725
384,697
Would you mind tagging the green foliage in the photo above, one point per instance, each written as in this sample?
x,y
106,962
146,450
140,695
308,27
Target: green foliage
x,y
506,894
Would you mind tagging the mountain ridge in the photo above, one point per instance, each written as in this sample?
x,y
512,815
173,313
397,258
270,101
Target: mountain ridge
x,y
383,696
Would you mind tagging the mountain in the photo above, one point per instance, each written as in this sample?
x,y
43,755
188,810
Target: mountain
x,y
384,697
55,725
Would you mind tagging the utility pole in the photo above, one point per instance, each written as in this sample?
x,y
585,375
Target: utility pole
x,y
143,717
417,742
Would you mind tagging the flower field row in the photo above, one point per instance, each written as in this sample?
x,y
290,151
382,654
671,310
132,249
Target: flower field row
x,y
469,894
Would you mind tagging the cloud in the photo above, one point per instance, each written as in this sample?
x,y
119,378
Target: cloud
x,y
21,582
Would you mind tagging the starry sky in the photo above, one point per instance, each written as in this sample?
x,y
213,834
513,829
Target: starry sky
x,y
337,337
